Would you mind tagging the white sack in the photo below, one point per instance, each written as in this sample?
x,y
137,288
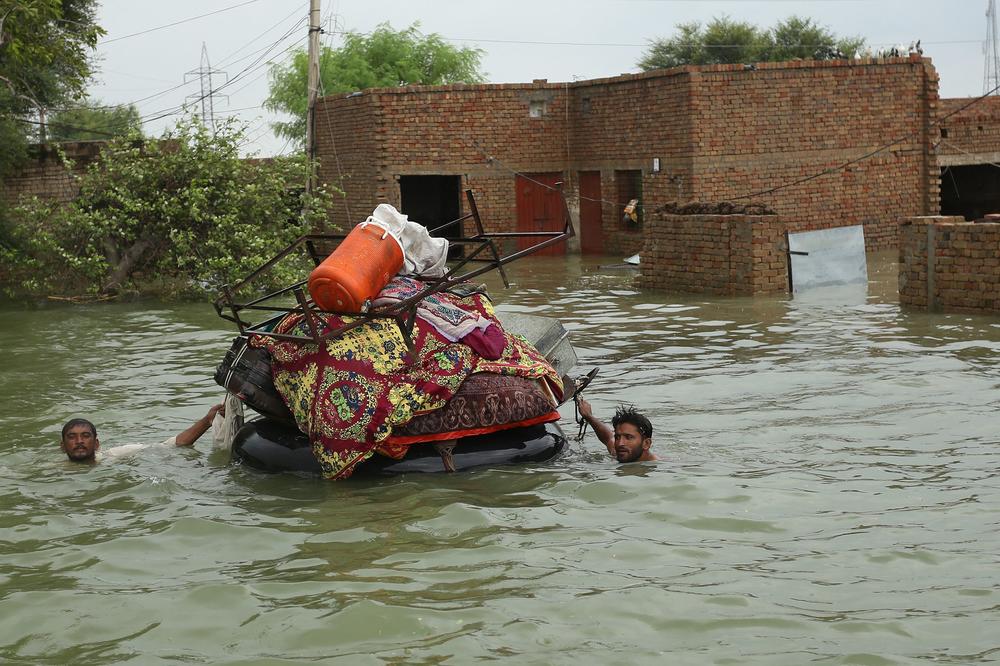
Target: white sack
x,y
422,254
224,427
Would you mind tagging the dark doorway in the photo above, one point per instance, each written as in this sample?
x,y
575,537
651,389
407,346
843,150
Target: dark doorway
x,y
629,189
971,191
591,213
540,208
434,201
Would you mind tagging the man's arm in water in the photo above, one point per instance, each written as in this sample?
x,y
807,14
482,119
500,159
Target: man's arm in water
x,y
198,428
604,433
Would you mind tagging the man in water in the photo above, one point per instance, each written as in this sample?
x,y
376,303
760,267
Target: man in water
x,y
630,435
80,443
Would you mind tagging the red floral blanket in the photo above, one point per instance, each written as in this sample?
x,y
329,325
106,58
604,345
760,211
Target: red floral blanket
x,y
350,392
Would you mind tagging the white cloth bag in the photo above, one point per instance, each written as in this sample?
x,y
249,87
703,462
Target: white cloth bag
x,y
422,254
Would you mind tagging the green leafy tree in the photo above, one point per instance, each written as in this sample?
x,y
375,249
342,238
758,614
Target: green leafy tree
x,y
797,37
382,59
91,121
45,51
184,213
725,41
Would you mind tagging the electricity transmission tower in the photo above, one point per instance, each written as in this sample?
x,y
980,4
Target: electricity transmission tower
x,y
991,76
206,98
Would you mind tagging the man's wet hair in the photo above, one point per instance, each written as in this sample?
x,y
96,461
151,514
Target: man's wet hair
x,y
630,415
72,423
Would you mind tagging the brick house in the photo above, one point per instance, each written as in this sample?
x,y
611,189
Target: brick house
x,y
710,133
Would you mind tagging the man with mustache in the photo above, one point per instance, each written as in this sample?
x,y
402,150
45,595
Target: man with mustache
x,y
629,437
80,443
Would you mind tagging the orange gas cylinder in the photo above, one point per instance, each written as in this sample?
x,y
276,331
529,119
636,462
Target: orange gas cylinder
x,y
356,270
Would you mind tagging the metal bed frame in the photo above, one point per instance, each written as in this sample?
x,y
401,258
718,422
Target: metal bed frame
x,y
483,249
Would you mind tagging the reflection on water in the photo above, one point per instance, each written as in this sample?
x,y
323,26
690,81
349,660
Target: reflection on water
x,y
829,493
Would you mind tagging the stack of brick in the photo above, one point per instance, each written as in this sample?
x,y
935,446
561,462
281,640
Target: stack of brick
x,y
946,263
731,255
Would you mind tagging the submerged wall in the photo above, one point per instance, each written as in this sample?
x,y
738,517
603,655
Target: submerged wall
x,y
948,264
731,255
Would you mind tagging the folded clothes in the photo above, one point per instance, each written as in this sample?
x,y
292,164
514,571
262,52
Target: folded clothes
x,y
488,342
442,310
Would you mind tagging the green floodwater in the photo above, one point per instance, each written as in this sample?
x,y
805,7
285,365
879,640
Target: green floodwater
x,y
829,494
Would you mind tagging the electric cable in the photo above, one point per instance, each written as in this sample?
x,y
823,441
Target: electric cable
x,y
225,61
29,121
180,109
170,25
333,142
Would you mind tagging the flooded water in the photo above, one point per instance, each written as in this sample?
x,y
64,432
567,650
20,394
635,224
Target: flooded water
x,y
829,492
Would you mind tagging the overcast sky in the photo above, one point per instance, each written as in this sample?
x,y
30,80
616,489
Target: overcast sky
x,y
558,40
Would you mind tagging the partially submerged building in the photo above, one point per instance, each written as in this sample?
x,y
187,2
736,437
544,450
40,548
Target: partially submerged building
x,y
821,143
968,154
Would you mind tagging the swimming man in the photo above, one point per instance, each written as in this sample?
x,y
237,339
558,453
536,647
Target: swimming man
x,y
80,443
629,437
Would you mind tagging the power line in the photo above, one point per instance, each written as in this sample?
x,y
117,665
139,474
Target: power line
x,y
302,19
170,25
239,75
28,121
224,62
174,110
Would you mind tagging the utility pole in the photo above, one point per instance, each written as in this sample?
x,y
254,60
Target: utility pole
x,y
991,72
313,90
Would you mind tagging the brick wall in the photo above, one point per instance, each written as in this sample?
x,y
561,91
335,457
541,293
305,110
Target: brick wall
x,y
785,122
719,133
622,123
347,145
44,175
974,130
732,255
482,133
946,263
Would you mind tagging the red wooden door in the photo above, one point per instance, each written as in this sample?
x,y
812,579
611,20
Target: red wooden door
x,y
539,208
591,220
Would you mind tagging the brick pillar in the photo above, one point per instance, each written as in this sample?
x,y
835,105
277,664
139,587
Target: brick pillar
x,y
931,113
728,255
948,264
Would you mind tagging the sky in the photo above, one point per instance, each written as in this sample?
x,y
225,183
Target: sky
x,y
153,50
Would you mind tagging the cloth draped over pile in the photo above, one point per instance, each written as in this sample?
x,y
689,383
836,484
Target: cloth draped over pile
x,y
350,393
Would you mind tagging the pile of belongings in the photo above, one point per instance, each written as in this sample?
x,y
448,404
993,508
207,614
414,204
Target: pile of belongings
x,y
361,393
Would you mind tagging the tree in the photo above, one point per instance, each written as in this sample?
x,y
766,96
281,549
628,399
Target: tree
x,y
183,213
45,50
797,37
382,59
91,121
724,40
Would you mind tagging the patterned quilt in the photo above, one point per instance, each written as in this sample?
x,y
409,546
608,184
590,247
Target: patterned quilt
x,y
350,392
